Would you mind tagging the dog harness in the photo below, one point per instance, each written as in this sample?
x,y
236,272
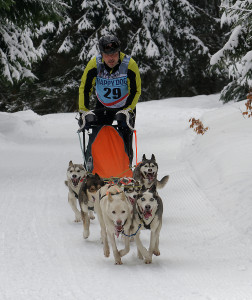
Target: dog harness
x,y
112,89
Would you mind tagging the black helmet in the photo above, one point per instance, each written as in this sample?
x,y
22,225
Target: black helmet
x,y
109,44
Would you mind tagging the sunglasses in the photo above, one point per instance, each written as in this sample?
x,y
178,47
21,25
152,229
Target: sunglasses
x,y
111,48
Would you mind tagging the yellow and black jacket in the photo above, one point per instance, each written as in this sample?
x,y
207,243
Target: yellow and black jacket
x,y
89,78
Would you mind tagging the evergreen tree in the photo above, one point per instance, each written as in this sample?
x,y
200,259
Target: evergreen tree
x,y
166,38
21,24
235,57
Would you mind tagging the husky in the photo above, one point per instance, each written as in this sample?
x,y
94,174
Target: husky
x,y
146,173
86,196
131,188
75,175
116,213
147,214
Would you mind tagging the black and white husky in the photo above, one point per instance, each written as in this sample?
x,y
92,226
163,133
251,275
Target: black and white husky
x,y
75,175
146,173
147,214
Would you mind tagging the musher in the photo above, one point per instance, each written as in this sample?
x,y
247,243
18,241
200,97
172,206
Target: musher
x,y
118,87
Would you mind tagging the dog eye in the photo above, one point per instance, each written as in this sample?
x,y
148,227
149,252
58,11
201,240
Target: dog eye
x,y
113,212
143,199
123,212
152,165
151,199
78,170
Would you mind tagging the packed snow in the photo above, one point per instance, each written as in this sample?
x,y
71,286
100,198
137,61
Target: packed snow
x,y
206,238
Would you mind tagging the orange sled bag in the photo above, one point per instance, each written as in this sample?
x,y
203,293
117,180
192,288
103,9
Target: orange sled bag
x,y
106,153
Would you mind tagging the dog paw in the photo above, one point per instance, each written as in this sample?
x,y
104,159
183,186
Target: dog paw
x,y
85,234
78,218
148,261
118,262
106,252
92,217
156,252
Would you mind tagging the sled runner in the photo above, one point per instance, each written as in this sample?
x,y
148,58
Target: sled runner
x,y
107,149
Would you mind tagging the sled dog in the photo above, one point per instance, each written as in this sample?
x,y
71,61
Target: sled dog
x,y
147,214
87,192
75,175
146,173
131,188
116,212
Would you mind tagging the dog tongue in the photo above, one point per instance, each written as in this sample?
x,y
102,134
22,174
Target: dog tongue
x,y
118,230
147,214
150,176
75,181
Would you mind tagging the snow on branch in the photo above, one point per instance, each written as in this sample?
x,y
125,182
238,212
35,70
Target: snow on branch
x,y
231,44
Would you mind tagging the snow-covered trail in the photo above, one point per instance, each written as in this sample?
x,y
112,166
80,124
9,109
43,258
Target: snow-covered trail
x,y
43,254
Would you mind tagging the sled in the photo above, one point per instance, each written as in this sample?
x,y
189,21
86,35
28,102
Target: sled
x,y
107,149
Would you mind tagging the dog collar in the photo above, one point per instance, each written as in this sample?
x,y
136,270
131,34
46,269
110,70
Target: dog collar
x,y
82,179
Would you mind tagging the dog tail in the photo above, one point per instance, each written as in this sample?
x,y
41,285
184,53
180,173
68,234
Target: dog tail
x,y
162,182
66,183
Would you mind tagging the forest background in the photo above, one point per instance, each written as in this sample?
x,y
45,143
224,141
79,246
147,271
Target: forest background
x,y
182,48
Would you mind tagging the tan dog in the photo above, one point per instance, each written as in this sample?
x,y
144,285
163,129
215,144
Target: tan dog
x,y
116,213
75,175
147,214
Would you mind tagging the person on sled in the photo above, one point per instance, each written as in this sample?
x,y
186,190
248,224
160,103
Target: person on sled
x,y
117,81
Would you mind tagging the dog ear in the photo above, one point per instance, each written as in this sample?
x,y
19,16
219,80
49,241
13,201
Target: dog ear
x,y
123,197
97,176
144,157
110,197
153,157
70,163
153,189
143,189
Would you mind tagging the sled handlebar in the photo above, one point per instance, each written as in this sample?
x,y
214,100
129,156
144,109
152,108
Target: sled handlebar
x,y
90,118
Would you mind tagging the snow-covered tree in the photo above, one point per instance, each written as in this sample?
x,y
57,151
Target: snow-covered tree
x,y
167,39
235,57
21,23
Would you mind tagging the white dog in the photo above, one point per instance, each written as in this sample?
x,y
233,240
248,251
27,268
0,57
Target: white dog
x,y
116,213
